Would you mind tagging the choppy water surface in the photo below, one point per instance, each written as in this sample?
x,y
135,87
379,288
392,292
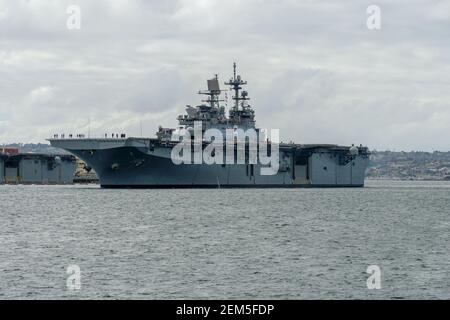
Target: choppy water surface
x,y
227,243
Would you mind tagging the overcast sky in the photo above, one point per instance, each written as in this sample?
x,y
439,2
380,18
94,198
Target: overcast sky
x,y
314,69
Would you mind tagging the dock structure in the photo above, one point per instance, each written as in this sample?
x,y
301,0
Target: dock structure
x,y
31,168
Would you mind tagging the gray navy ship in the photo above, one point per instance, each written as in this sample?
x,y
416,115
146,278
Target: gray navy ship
x,y
136,162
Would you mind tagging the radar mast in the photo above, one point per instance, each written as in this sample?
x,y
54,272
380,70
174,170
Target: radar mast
x,y
236,82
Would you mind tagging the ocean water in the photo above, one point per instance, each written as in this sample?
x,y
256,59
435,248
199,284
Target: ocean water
x,y
226,243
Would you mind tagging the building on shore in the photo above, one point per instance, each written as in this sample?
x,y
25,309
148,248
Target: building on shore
x,y
31,168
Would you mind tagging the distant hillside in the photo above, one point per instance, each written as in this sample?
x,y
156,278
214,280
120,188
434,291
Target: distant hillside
x,y
413,165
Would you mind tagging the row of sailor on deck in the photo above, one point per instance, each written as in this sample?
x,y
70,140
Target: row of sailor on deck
x,y
116,135
82,136
70,136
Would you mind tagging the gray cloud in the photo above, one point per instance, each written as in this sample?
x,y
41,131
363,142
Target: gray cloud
x,y
314,70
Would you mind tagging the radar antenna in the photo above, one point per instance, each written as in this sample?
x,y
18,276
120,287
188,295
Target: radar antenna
x,y
213,92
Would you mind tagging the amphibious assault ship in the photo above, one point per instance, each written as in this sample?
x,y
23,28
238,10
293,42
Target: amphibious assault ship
x,y
35,168
137,162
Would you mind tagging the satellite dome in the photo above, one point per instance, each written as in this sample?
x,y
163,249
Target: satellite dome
x,y
353,150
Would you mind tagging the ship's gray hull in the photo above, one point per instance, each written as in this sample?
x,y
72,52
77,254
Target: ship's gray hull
x,y
131,164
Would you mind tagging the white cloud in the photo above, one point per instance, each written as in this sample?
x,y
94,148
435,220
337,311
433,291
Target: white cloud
x,y
314,70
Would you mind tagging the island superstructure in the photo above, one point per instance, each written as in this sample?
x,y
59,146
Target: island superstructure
x,y
137,162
